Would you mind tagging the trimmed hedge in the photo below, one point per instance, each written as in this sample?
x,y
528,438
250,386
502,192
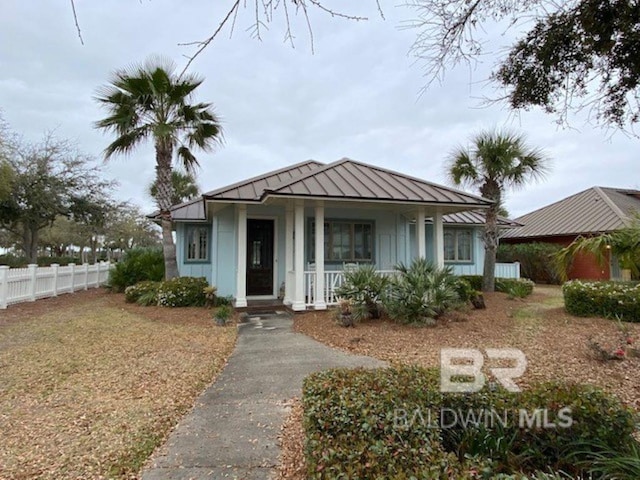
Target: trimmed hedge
x,y
386,423
505,285
182,292
603,299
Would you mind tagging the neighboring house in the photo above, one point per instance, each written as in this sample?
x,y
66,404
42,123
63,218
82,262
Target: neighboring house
x,y
290,233
591,212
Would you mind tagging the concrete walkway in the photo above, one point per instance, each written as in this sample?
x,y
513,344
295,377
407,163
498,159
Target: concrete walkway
x,y
232,431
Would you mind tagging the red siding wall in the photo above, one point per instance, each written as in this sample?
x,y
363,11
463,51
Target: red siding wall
x,y
585,266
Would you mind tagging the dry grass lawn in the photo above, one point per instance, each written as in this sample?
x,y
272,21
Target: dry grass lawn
x,y
90,385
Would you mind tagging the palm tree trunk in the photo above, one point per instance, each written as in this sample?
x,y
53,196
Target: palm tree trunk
x,y
164,152
490,249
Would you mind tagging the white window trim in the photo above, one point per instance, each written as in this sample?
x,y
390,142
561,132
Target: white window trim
x,y
197,259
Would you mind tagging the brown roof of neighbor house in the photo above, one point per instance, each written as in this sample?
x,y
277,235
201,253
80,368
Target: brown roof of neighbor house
x,y
595,210
348,179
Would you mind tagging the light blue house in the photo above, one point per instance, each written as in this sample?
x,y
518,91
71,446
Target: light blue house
x,y
289,234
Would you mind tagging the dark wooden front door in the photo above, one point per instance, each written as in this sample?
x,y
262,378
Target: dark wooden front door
x,y
259,257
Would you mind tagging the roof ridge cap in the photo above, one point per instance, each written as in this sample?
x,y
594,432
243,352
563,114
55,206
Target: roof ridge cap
x,y
324,167
255,178
382,169
612,205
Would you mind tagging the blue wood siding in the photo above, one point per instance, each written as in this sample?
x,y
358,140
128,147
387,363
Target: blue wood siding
x,y
394,242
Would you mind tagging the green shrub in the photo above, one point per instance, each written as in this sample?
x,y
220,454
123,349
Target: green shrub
x,y
523,286
182,292
363,287
605,299
351,433
146,289
594,415
138,264
464,290
421,293
537,260
221,301
385,423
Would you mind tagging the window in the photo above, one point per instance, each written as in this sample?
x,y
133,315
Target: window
x,y
345,241
457,245
197,243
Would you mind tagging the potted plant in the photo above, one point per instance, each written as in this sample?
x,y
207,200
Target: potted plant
x,y
222,315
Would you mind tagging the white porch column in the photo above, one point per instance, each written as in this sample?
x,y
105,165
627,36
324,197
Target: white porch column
x,y
298,296
421,233
319,303
288,256
241,274
438,240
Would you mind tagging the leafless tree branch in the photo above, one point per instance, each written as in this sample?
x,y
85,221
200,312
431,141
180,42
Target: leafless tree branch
x,y
75,19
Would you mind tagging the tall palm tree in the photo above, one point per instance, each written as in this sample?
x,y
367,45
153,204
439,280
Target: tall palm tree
x,y
152,102
184,187
495,163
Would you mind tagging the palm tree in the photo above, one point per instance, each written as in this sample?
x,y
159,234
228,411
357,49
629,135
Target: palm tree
x,y
151,102
184,188
495,163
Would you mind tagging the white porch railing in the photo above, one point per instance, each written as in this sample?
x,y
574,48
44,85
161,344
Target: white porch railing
x,y
503,270
31,283
334,279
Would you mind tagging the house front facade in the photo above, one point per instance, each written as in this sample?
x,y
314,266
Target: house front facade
x,y
290,234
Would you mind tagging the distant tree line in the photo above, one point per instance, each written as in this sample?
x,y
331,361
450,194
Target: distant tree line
x,y
55,202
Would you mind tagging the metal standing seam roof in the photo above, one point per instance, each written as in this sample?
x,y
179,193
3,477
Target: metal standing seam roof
x,y
475,217
595,210
348,179
254,188
344,179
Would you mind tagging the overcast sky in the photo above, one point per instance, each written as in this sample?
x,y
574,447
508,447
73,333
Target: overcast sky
x,y
356,97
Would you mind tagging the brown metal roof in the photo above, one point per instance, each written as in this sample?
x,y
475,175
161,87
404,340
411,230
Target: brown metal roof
x,y
348,179
475,217
595,210
253,188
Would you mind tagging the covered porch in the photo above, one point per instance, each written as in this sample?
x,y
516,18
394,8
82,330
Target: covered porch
x,y
315,258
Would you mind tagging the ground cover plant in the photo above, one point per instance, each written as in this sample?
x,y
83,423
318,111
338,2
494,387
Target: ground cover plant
x,y
91,384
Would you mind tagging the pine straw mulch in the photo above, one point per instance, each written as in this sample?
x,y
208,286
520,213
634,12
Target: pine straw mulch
x,y
554,342
90,385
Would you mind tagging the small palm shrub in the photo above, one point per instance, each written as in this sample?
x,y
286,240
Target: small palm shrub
x,y
144,293
364,288
421,293
138,264
182,292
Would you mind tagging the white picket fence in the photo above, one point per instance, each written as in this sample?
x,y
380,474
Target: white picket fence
x,y
29,284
